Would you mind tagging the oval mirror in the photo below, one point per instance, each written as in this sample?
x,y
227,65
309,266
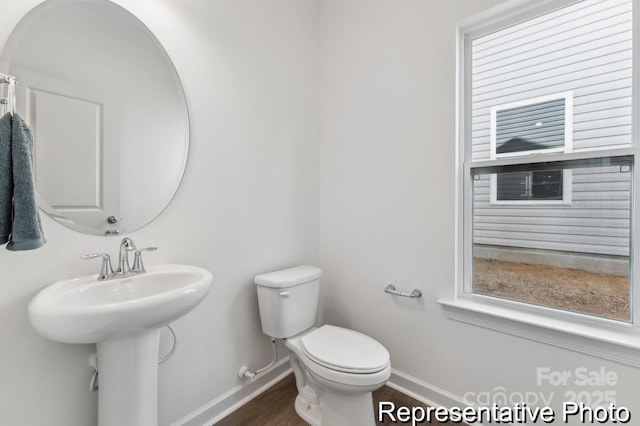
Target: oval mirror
x,y
107,110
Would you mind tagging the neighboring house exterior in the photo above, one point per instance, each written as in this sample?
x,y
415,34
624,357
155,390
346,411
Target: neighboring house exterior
x,y
558,83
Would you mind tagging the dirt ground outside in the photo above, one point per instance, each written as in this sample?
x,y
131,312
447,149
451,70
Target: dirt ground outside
x,y
569,289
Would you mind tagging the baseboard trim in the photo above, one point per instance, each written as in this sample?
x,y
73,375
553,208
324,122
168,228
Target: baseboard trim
x,y
423,391
235,398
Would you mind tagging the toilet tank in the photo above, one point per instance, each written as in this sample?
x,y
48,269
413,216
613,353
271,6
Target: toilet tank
x,y
288,300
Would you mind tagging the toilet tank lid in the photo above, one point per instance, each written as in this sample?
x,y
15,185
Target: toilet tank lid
x,y
289,277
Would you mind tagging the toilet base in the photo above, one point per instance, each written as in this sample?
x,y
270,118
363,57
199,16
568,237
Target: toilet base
x,y
310,413
338,409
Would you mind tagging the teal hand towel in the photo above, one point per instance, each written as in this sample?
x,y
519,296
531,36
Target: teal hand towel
x,y
6,179
26,227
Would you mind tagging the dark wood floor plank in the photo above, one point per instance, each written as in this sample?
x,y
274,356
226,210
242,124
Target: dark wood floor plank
x,y
271,408
275,406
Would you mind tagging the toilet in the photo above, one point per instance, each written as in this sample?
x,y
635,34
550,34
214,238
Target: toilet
x,y
336,369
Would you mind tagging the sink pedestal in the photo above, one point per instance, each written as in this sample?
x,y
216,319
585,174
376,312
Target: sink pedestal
x,y
128,380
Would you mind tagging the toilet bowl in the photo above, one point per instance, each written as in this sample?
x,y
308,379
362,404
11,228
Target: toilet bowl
x,y
336,369
335,379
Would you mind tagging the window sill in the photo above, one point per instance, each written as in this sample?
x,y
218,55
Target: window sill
x,y
541,203
611,340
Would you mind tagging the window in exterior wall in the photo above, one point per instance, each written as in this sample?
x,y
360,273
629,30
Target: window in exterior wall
x,y
544,228
533,185
532,126
549,187
529,127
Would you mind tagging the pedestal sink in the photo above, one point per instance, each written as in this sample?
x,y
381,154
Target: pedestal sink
x,y
123,317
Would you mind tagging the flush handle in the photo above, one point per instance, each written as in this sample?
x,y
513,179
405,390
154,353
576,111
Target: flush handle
x,y
285,293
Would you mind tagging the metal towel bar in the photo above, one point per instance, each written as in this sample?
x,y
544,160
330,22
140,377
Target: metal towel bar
x,y
10,101
391,289
7,79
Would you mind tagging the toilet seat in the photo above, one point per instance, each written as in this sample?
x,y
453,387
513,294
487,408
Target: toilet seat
x,y
345,350
331,377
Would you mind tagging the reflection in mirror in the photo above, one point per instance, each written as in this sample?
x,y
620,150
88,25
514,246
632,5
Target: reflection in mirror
x,y
107,111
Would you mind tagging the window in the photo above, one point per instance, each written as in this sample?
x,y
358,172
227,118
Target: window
x,y
546,187
528,186
530,127
547,161
572,258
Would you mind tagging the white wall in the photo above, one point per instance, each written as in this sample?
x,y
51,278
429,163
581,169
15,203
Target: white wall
x,y
247,205
387,170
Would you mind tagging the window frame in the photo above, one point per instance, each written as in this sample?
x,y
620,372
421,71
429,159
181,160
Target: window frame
x,y
609,339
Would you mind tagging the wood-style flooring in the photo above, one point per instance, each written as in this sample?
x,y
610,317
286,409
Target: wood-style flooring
x,y
275,406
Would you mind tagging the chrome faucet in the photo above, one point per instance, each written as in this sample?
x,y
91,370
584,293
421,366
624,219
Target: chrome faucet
x,y
126,245
124,270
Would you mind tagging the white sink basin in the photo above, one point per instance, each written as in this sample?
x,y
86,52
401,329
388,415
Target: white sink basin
x,y
85,310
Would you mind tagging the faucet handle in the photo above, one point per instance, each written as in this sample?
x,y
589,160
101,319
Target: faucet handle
x,y
105,270
138,266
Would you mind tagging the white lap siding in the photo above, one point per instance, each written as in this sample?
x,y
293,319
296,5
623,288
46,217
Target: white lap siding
x,y
596,221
